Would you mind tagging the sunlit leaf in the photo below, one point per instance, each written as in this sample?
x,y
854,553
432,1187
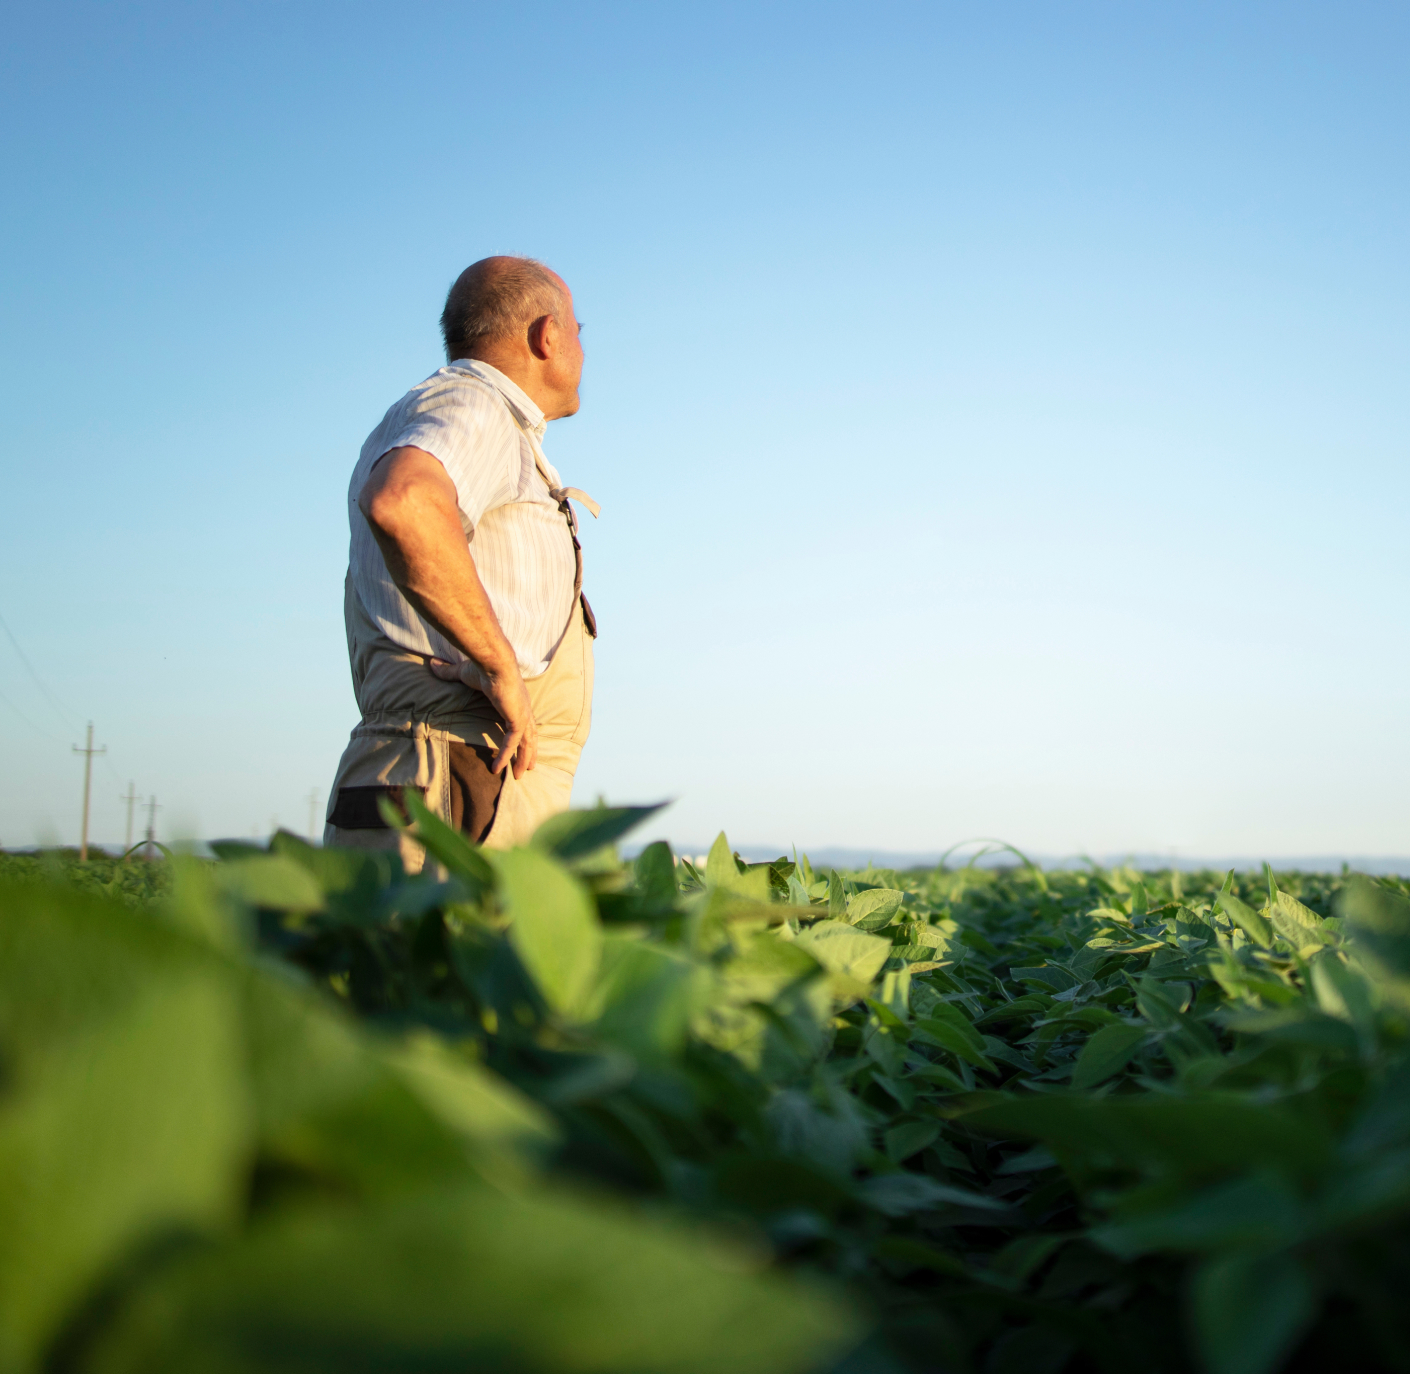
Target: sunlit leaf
x,y
553,926
841,949
574,834
877,906
1253,925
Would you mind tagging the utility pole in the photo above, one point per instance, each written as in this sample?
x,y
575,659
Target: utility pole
x,y
312,815
87,751
152,809
129,797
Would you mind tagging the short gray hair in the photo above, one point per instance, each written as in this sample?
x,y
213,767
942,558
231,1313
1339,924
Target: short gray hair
x,y
495,298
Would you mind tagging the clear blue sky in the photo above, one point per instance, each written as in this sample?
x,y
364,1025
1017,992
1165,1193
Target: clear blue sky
x,y
999,412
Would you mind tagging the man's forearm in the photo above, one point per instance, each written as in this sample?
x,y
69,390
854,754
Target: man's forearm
x,y
410,507
450,598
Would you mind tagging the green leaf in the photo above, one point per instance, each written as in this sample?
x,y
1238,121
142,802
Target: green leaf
x,y
339,870
909,1138
125,1114
805,1129
947,1026
1298,1024
1194,1136
1378,921
1248,1311
952,1038
468,1098
1161,1003
473,1280
463,859
655,870
842,950
877,906
798,891
1030,1161
1343,992
646,997
1303,929
1260,1212
1302,915
332,1108
1010,1011
836,896
1106,1053
722,871
885,1014
898,1195
575,834
1253,925
237,849
197,906
554,928
720,867
1022,1255
1049,976
271,881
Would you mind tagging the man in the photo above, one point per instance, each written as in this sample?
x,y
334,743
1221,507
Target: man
x,y
469,637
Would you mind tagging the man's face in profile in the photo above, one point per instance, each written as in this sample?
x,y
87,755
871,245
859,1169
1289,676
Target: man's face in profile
x,y
566,365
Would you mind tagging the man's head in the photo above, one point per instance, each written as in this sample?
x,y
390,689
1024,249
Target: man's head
x,y
517,315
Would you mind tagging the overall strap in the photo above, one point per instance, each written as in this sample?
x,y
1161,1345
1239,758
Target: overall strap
x,y
563,495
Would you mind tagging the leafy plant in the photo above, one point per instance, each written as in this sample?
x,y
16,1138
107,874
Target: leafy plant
x,y
208,1166
1029,1122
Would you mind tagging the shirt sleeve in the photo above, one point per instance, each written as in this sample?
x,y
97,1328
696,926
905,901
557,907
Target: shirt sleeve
x,y
464,424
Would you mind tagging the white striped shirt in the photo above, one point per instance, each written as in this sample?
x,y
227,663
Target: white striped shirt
x,y
486,433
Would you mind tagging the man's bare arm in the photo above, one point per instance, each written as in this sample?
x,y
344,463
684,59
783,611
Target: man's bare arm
x,y
409,503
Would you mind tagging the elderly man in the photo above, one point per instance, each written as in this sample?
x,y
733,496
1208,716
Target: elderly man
x,y
469,636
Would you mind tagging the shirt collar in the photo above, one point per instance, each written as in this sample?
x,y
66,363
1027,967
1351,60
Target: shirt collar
x,y
525,411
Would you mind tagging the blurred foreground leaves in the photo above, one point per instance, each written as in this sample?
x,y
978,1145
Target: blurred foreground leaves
x,y
208,1166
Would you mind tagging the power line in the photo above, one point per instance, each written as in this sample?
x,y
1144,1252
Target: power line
x,y
49,697
38,730
116,776
38,681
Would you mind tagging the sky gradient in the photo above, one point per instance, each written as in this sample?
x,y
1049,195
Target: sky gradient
x,y
998,413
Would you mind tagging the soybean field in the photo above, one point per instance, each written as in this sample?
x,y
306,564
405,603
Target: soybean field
x,y
550,1111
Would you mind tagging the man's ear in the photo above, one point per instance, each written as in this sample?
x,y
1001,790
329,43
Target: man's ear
x,y
542,336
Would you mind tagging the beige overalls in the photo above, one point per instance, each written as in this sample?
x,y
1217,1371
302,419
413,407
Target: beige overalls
x,y
412,724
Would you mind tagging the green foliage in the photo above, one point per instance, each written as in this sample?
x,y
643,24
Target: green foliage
x,y
205,1163
1028,1122
132,880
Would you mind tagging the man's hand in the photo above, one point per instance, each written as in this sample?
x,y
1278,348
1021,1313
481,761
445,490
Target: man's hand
x,y
410,505
511,699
